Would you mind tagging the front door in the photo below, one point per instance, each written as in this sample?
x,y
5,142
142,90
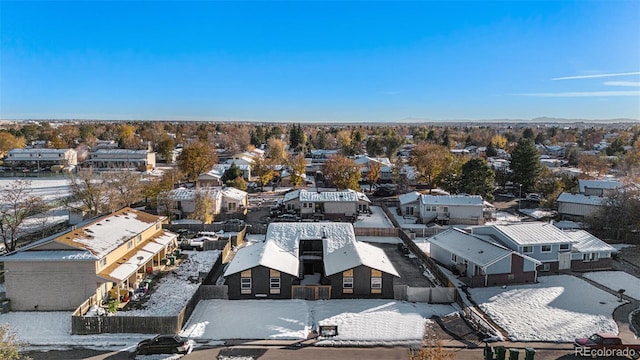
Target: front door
x,y
564,261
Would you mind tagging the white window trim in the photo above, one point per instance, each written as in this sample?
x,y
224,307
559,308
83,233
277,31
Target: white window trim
x,y
525,248
454,258
376,283
245,285
542,250
567,246
347,283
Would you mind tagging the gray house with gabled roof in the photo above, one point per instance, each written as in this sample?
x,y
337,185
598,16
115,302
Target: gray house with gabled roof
x,y
310,261
481,261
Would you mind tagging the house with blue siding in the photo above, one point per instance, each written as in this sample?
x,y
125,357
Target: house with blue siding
x,y
481,261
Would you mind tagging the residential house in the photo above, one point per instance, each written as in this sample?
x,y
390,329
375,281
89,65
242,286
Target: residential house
x,y
598,187
452,209
481,262
589,252
107,159
326,205
214,176
228,200
182,201
234,200
555,248
578,206
386,168
310,261
410,203
38,159
103,257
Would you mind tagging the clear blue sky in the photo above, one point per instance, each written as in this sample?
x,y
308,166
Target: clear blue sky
x,y
328,61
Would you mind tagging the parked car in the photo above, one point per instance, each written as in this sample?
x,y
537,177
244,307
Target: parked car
x,y
164,344
606,344
234,221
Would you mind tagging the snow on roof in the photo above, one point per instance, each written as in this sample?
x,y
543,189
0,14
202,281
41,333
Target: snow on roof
x,y
470,247
598,184
471,200
532,233
120,151
108,232
267,254
588,242
366,159
326,196
49,255
125,270
341,250
39,151
409,197
234,193
580,199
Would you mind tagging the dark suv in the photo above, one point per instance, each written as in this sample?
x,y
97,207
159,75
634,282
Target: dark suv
x,y
164,344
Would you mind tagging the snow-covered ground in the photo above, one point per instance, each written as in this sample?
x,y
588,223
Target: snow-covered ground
x,y
503,217
616,280
360,322
49,189
558,308
377,219
380,239
174,290
538,214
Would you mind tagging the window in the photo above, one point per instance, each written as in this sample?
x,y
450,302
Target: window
x,y
138,239
158,226
527,249
103,262
376,281
274,282
546,267
564,246
511,277
347,282
129,244
232,206
245,282
545,248
409,210
454,258
590,257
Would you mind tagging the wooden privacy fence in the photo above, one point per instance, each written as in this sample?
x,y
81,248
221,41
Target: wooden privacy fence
x,y
386,232
431,295
315,292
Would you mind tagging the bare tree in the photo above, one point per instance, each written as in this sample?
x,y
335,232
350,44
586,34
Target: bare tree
x,y
88,192
18,203
123,188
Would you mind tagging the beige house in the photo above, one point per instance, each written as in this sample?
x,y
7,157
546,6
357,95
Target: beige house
x,y
224,200
107,159
326,205
105,257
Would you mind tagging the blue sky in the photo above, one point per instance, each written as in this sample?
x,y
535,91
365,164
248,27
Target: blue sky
x,y
329,61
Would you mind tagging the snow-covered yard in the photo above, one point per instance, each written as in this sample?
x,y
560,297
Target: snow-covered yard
x,y
377,219
174,290
616,280
360,322
558,308
49,189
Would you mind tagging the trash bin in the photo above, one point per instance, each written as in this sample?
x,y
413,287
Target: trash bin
x,y
172,260
500,352
514,354
488,353
176,252
529,353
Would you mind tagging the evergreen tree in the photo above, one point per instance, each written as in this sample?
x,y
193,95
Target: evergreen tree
x,y
231,173
491,150
478,179
525,164
527,133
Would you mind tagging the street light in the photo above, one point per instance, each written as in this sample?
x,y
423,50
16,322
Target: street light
x,y
519,197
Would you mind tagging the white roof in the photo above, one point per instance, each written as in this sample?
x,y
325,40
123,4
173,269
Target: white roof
x,y
470,200
39,151
183,194
534,233
366,159
326,196
120,151
127,269
409,197
598,184
580,199
49,255
470,247
109,232
234,193
587,242
341,250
